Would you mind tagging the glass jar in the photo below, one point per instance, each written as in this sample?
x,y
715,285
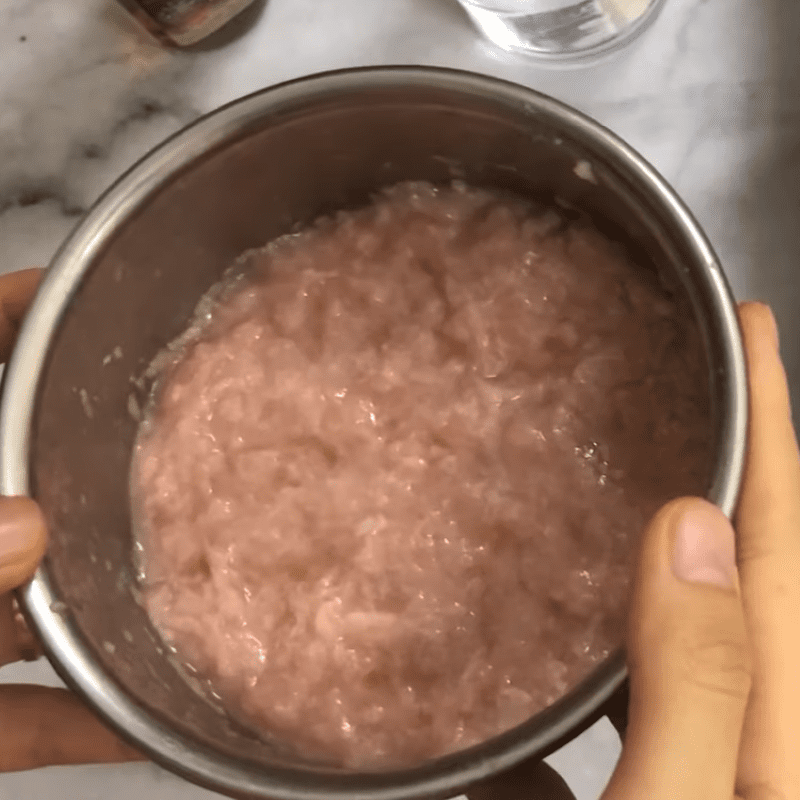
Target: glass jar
x,y
184,22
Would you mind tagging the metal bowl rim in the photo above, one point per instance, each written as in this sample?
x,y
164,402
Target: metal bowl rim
x,y
74,661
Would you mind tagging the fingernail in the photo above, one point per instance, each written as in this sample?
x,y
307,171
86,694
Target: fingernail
x,y
705,551
21,527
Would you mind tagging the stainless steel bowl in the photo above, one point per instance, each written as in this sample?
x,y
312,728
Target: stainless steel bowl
x,y
127,280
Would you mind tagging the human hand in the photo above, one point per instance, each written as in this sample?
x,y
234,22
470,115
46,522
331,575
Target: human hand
x,y
39,725
714,650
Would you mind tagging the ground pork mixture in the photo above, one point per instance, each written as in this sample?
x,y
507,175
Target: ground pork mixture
x,y
390,482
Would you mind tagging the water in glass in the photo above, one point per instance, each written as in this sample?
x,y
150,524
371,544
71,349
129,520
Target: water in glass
x,y
561,29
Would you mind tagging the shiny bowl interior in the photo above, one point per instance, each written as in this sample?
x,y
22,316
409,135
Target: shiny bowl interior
x,y
126,282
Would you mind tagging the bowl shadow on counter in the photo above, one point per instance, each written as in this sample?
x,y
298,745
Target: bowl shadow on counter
x,y
531,780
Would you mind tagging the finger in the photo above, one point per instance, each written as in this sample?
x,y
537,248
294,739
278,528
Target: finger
x,y
768,524
8,644
17,643
42,726
688,661
17,289
23,539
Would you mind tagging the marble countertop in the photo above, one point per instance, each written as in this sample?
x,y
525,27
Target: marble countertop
x,y
710,95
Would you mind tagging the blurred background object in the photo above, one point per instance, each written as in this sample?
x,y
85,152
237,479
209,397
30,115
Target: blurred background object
x,y
184,22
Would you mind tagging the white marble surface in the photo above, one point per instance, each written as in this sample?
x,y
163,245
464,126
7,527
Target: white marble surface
x,y
709,95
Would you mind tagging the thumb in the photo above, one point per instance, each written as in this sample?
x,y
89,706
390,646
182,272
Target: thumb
x,y
688,659
23,538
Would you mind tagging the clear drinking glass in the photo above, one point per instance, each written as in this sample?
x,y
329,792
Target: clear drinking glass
x,y
184,22
561,30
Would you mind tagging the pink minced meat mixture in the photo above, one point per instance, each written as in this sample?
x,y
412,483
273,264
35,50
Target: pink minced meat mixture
x,y
389,491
